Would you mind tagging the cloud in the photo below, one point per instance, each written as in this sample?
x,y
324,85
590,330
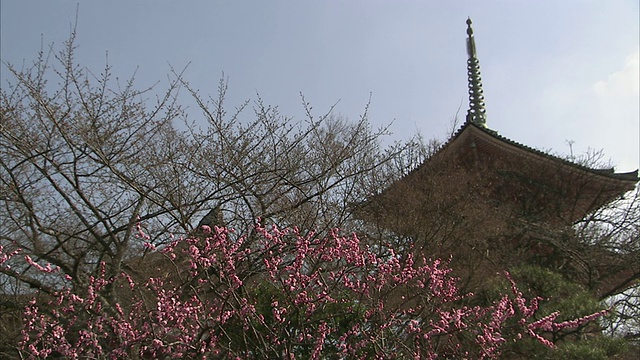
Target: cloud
x,y
621,83
617,104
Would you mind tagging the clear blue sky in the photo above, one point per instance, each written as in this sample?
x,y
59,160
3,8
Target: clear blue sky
x,y
552,70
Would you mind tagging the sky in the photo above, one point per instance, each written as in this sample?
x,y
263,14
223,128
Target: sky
x,y
554,72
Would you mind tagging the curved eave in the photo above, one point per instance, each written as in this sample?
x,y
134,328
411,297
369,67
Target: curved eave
x,y
630,178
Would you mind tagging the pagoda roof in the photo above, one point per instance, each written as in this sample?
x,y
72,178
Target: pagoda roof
x,y
475,143
509,145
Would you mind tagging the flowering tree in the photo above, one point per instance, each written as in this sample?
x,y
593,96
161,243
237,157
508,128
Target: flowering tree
x,y
292,295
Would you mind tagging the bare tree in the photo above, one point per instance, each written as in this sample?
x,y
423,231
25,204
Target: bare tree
x,y
84,159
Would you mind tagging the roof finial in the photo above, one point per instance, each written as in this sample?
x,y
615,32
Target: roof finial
x,y
476,113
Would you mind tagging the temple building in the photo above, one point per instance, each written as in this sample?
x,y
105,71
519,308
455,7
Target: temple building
x,y
492,203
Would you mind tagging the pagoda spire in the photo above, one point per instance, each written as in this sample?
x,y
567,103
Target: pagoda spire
x,y
477,113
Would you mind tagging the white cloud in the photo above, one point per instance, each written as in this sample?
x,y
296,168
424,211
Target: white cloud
x,y
624,82
617,103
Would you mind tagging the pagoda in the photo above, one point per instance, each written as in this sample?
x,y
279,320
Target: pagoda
x,y
491,203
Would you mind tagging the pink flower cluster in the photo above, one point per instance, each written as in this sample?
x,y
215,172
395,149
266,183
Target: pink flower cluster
x,y
280,294
4,256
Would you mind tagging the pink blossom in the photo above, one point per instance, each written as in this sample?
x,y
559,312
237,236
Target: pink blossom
x,y
325,294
